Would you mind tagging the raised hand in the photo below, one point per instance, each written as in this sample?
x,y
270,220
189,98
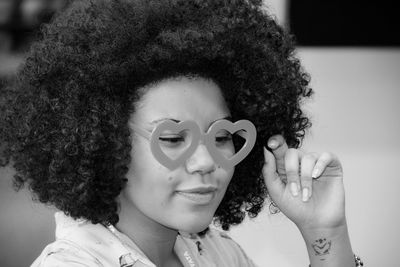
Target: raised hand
x,y
307,187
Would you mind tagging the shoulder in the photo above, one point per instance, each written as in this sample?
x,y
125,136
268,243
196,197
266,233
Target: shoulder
x,y
63,253
81,243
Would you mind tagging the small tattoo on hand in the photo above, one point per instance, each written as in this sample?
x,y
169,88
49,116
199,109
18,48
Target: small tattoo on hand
x,y
322,246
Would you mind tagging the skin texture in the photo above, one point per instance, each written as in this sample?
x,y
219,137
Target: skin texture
x,y
318,211
180,100
153,203
154,199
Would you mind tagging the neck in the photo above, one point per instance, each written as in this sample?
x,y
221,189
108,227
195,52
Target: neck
x,y
155,240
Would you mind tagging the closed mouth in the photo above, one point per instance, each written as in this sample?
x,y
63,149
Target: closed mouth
x,y
201,196
199,190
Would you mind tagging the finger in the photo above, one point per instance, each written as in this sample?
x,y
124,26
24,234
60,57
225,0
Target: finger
x,y
292,160
307,165
278,146
325,159
274,183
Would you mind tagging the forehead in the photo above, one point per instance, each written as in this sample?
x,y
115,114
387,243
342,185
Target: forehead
x,y
182,98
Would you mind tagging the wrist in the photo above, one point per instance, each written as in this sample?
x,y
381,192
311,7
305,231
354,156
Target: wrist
x,y
329,246
337,232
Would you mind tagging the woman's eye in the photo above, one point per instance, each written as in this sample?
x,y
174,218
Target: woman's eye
x,y
223,139
171,140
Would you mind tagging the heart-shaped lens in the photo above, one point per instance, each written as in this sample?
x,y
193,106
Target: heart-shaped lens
x,y
228,143
229,153
172,143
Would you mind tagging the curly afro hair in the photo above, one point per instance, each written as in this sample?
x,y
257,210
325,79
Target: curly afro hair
x,y
64,121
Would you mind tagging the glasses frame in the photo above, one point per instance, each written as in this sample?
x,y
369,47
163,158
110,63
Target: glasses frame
x,y
244,128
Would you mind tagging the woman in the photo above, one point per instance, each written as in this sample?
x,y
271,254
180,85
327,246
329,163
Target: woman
x,y
144,121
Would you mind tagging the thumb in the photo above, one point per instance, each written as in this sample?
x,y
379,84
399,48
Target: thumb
x,y
274,184
279,147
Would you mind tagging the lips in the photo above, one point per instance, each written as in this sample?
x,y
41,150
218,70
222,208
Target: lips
x,y
199,190
199,195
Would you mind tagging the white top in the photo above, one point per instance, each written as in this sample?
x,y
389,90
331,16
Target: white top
x,y
81,243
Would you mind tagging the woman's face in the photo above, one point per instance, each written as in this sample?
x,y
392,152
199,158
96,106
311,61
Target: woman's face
x,y
187,197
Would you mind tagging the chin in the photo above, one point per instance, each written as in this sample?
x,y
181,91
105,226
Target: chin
x,y
194,229
195,224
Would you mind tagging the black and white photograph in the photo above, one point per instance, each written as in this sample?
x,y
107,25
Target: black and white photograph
x,y
199,133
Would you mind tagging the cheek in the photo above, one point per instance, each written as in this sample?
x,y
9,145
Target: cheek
x,y
143,162
225,176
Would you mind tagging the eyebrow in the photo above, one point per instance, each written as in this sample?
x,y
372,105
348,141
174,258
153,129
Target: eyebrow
x,y
163,119
229,118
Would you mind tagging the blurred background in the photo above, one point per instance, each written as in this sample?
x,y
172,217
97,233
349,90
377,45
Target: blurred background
x,y
20,22
352,51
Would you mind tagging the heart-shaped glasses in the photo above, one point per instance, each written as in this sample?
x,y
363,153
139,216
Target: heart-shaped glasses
x,y
173,143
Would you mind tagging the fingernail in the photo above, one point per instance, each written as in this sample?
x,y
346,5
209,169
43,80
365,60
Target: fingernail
x,y
294,189
306,192
273,144
315,173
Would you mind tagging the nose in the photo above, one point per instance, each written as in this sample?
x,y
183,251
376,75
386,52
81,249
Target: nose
x,y
201,161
